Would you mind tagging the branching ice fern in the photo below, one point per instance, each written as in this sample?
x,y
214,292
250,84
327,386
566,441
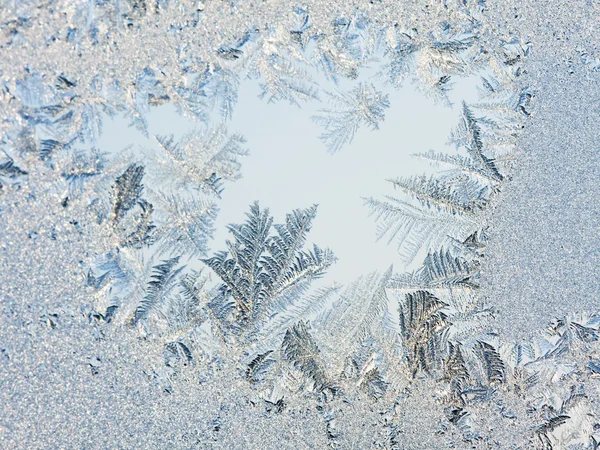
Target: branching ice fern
x,y
257,309
127,190
468,135
434,58
440,268
285,259
282,68
131,214
456,196
242,273
163,281
124,276
73,109
364,105
445,329
184,224
262,274
456,372
366,369
492,362
445,206
187,307
454,164
199,158
417,228
355,316
306,307
288,290
220,86
300,349
422,323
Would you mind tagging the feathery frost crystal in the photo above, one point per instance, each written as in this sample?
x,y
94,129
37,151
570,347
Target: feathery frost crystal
x,y
120,327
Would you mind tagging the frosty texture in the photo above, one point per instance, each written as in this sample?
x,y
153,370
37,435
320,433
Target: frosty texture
x,y
118,330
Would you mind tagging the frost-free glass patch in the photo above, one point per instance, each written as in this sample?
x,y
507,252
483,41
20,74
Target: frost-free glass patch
x,y
318,225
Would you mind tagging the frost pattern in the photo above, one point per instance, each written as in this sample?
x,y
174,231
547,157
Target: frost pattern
x,y
443,208
119,238
364,105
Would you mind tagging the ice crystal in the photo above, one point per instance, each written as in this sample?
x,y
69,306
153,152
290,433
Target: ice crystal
x,y
119,330
364,105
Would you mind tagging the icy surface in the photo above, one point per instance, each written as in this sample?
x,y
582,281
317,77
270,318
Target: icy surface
x,y
543,258
110,336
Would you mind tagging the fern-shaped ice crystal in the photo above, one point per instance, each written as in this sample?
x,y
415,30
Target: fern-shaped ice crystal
x,y
363,105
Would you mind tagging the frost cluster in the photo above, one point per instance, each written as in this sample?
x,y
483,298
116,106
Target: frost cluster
x,y
119,329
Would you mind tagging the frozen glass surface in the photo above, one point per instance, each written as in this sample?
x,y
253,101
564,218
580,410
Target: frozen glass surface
x,y
167,279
